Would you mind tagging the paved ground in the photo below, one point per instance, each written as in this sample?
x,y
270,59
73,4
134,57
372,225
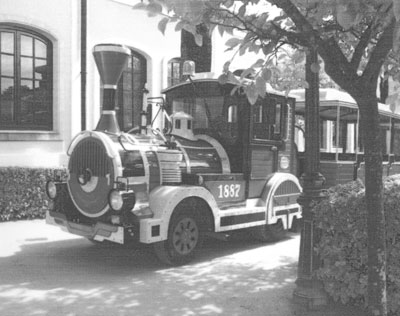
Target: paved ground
x,y
44,271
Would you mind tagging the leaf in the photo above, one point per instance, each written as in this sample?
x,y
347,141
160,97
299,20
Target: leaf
x,y
139,6
162,25
258,63
392,101
261,86
298,57
255,48
225,68
153,9
232,78
242,10
346,15
251,93
243,48
287,91
198,39
261,20
269,48
266,74
179,26
229,30
235,88
233,42
221,30
229,3
304,84
247,72
223,79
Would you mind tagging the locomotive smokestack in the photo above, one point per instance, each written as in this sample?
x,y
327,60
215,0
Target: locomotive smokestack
x,y
111,60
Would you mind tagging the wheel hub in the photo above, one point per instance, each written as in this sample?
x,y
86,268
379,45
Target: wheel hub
x,y
185,236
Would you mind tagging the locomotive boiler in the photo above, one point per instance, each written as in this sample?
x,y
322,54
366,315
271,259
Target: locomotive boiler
x,y
168,189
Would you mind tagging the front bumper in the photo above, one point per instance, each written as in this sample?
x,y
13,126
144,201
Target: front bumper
x,y
98,231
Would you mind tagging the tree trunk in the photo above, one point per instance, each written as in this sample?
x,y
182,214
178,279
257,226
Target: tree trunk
x,y
369,119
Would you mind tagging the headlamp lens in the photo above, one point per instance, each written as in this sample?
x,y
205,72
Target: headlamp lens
x,y
284,163
115,200
51,190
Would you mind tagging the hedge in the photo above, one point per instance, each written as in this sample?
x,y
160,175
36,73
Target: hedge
x,y
342,220
23,193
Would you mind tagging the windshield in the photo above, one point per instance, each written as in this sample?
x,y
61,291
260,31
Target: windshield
x,y
203,110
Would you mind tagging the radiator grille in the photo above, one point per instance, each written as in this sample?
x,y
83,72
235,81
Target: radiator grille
x,y
90,153
170,170
91,177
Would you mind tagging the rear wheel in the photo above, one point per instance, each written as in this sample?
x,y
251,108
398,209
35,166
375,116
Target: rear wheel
x,y
269,233
183,240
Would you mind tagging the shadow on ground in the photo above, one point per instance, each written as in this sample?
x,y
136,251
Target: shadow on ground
x,y
74,277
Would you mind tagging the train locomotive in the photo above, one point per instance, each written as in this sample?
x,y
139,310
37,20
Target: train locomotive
x,y
222,165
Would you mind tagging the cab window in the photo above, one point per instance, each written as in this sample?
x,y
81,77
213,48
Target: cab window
x,y
269,119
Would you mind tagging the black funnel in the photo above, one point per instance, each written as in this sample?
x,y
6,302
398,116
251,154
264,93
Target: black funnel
x,y
111,60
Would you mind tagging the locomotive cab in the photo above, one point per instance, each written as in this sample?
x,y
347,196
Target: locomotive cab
x,y
257,139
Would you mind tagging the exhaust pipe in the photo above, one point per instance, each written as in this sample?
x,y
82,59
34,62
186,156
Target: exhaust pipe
x,y
111,60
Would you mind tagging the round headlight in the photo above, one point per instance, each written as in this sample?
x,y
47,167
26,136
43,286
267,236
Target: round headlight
x,y
51,190
115,200
284,162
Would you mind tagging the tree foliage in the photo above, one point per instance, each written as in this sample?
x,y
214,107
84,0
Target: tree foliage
x,y
343,243
352,28
356,39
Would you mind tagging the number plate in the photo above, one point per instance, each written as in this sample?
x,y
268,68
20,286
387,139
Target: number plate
x,y
225,191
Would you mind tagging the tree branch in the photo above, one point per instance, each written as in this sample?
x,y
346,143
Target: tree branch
x,y
361,46
379,54
295,15
232,16
336,63
292,37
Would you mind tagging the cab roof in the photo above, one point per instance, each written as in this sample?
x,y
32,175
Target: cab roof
x,y
212,77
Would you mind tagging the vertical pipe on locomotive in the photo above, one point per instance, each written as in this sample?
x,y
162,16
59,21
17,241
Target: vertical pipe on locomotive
x,y
111,60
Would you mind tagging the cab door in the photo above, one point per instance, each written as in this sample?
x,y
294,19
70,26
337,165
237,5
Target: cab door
x,y
268,128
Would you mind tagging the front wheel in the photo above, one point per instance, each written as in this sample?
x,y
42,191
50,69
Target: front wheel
x,y
183,240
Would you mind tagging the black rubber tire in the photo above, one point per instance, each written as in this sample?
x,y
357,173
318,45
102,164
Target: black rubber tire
x,y
269,233
184,238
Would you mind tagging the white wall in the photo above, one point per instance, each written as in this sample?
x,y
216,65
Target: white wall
x,y
18,146
59,20
108,21
113,22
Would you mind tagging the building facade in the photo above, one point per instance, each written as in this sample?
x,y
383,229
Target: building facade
x,y
50,87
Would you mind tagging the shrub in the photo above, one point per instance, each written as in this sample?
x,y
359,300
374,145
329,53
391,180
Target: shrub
x,y
342,218
22,192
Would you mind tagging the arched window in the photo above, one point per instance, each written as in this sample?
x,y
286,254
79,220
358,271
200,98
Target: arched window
x,y
174,71
129,101
26,82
